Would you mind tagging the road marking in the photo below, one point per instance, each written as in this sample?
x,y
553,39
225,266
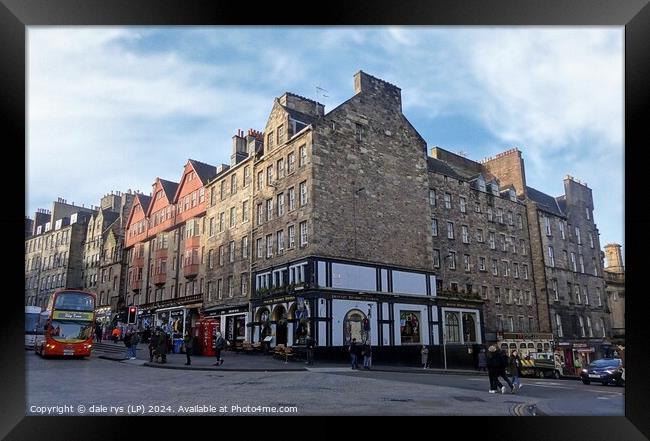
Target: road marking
x,y
602,398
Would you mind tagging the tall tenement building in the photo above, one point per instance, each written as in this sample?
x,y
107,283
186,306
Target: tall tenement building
x,y
104,269
54,251
615,280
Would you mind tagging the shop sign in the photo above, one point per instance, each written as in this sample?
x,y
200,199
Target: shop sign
x,y
176,313
278,300
580,345
526,336
567,344
65,315
586,350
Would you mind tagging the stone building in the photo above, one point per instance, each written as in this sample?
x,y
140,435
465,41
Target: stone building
x,y
104,270
54,252
341,235
615,280
567,264
481,246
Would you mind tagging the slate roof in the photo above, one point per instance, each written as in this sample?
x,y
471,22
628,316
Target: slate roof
x,y
144,201
204,171
545,202
169,188
438,166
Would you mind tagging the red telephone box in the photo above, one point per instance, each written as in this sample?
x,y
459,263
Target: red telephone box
x,y
205,332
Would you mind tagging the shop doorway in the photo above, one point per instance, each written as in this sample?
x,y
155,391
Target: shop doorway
x,y
280,317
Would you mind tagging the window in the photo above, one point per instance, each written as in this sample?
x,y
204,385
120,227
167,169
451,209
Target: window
x,y
260,249
244,211
231,250
547,225
522,245
573,262
436,258
578,298
499,322
452,327
280,204
260,214
302,155
502,239
358,132
593,261
230,286
515,270
222,190
220,289
465,233
247,176
280,241
291,233
560,224
244,247
491,240
269,175
484,292
210,291
291,162
280,134
591,239
587,213
450,230
244,284
233,217
600,299
506,268
582,264
520,222
481,263
489,214
513,244
303,234
269,209
603,328
303,193
260,180
221,255
477,207
521,323
581,323
463,205
269,246
466,262
479,235
495,268
578,236
434,227
447,200
269,140
529,296
499,215
292,198
432,197
511,323
452,260
586,292
551,258
510,220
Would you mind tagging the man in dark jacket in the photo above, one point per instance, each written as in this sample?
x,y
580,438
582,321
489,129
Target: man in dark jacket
x,y
161,347
354,350
502,358
153,343
219,344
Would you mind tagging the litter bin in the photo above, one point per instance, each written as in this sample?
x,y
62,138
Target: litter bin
x,y
177,345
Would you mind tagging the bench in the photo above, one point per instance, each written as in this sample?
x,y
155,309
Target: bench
x,y
281,351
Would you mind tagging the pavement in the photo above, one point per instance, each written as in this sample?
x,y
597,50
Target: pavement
x,y
252,362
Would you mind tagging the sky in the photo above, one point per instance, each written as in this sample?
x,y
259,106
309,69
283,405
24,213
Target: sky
x,y
112,108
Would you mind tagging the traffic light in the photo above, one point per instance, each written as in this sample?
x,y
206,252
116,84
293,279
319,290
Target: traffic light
x,y
133,312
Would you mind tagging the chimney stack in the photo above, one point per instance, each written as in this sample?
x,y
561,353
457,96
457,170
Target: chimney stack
x,y
239,151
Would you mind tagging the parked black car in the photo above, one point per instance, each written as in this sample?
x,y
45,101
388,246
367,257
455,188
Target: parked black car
x,y
605,371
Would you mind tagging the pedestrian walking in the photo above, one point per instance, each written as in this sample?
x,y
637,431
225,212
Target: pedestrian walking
x,y
127,343
514,367
153,343
161,346
367,355
135,340
98,333
310,351
116,334
482,360
502,364
187,341
425,357
218,345
492,368
353,353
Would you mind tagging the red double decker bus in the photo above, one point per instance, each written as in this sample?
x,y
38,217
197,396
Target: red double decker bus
x,y
68,324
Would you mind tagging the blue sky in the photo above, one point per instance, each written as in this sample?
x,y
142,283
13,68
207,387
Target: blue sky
x,y
112,108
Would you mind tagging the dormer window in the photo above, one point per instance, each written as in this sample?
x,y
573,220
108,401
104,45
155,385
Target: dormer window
x,y
495,188
295,126
513,196
481,183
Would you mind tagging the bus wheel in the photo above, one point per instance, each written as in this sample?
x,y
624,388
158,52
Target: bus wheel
x,y
556,375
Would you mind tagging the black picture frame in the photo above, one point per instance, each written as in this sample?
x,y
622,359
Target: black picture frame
x,y
16,15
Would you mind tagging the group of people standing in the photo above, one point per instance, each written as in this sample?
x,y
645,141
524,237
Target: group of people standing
x,y
498,365
356,350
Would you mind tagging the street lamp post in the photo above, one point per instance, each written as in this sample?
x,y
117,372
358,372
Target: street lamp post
x,y
444,347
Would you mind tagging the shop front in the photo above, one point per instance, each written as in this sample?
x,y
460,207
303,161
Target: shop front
x,y
103,315
231,322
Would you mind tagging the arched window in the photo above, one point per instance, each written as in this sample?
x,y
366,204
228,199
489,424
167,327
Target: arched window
x,y
452,327
352,326
469,328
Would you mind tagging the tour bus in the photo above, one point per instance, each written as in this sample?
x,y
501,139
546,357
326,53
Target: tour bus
x,y
68,324
32,314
